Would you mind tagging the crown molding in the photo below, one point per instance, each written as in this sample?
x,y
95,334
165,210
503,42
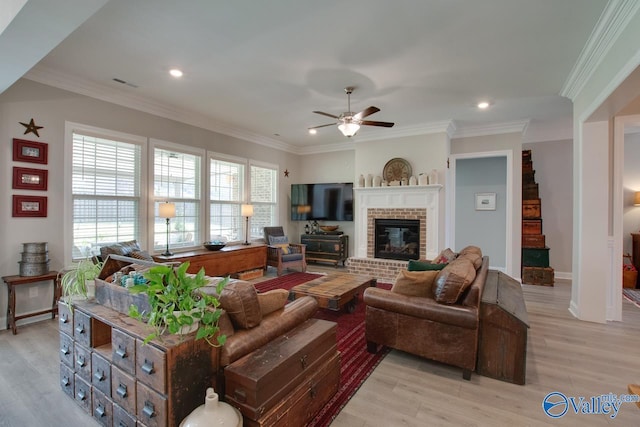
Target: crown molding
x,y
492,129
113,95
613,20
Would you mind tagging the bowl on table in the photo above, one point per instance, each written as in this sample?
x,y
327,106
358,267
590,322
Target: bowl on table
x,y
214,246
329,227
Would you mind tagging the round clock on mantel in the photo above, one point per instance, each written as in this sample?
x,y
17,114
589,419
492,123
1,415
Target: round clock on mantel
x,y
396,169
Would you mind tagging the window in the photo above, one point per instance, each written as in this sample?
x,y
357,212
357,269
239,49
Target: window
x,y
226,195
105,185
177,179
264,184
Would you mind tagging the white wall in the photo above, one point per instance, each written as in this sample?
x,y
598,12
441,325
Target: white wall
x,y
553,163
51,108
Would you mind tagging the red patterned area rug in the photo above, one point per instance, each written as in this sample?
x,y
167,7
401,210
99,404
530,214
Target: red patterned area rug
x,y
356,363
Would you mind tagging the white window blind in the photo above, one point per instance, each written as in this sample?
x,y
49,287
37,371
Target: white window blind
x,y
226,195
105,191
264,186
177,179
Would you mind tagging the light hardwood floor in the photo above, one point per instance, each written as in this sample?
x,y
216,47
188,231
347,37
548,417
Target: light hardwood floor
x,y
564,354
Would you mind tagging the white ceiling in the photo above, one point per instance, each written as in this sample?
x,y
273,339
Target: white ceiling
x,y
259,68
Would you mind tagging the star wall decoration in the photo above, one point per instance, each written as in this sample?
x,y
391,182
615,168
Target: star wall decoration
x,y
31,128
286,173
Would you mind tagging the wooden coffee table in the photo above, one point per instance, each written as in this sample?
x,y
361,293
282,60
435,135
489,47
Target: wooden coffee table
x,y
334,291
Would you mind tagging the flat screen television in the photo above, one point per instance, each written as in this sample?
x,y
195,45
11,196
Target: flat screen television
x,y
329,202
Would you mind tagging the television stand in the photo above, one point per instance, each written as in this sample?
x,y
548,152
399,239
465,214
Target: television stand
x,y
330,246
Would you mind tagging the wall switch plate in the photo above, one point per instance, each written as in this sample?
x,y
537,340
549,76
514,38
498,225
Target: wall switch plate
x,y
33,292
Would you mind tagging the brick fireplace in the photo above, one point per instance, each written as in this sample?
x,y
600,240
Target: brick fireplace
x,y
419,203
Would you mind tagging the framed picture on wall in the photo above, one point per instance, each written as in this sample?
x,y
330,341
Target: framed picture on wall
x,y
30,179
485,201
29,206
29,151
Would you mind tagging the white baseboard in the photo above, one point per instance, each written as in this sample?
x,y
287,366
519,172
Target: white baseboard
x,y
562,275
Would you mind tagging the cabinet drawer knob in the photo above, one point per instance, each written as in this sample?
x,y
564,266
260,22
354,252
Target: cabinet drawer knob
x,y
313,390
147,367
80,361
80,329
122,352
99,411
64,318
148,409
303,361
121,390
65,381
82,394
64,350
99,376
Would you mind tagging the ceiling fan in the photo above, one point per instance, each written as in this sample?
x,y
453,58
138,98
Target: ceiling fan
x,y
348,122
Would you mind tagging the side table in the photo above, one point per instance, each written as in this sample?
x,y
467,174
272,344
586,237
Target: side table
x,y
13,281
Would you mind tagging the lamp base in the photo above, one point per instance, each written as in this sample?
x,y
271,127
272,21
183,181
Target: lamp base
x,y
246,243
167,253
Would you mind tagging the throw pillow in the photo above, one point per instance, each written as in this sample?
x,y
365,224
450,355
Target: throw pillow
x,y
424,266
240,301
470,249
143,255
414,283
475,258
453,280
445,257
272,300
280,242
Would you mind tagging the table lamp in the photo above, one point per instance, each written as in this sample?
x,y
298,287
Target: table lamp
x,y
246,211
167,210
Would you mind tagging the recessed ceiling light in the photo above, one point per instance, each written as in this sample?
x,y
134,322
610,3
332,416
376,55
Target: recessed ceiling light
x,y
483,105
313,131
175,72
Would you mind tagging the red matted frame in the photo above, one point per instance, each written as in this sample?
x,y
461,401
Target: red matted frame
x,y
29,206
29,151
30,179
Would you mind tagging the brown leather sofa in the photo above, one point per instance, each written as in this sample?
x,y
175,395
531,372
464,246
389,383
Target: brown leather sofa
x,y
422,326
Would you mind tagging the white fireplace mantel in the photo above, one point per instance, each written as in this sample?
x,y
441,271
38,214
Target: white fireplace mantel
x,y
395,197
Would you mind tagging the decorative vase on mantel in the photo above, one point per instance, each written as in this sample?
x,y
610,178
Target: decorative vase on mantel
x,y
213,413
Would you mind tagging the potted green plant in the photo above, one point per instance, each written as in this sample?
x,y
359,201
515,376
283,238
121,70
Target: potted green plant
x,y
177,304
78,281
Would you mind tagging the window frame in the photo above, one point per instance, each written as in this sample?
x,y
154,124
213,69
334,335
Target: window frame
x,y
151,198
276,189
92,131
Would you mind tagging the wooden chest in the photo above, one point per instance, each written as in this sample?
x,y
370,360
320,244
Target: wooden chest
x,y
530,191
533,241
529,177
301,405
531,226
537,276
502,340
258,382
535,257
531,209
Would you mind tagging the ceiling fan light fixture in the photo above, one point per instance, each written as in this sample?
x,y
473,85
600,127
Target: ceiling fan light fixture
x,y
349,129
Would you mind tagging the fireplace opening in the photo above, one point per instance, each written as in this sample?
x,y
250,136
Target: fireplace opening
x,y
397,239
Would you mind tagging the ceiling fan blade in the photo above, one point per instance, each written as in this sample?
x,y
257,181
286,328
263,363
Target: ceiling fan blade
x,y
321,126
374,123
366,112
326,114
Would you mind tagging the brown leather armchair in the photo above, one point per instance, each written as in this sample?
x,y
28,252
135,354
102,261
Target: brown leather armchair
x,y
276,240
446,333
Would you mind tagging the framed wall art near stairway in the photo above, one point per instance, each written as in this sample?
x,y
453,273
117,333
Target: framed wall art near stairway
x,y
29,151
29,206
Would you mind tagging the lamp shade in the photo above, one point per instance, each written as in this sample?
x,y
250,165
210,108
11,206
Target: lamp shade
x,y
636,199
246,210
349,128
167,210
